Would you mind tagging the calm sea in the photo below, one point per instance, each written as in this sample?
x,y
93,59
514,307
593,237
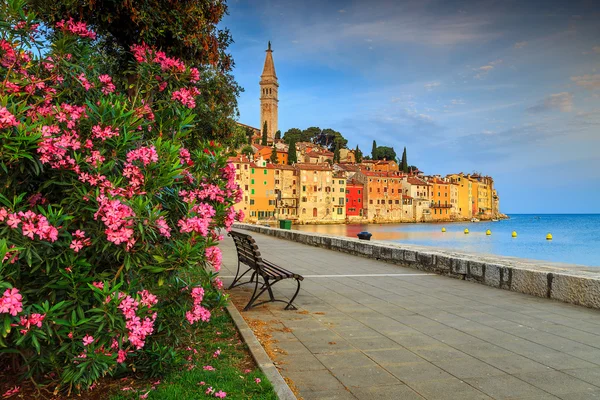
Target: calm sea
x,y
576,237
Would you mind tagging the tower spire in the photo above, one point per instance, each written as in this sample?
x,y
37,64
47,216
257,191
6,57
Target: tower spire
x,y
268,95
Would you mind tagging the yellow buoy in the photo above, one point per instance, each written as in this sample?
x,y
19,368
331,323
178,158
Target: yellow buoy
x,y
488,232
443,229
466,231
549,236
514,234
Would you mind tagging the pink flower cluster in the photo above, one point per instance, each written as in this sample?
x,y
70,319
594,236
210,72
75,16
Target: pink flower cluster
x,y
32,224
11,392
76,28
146,155
107,84
138,329
186,96
104,133
214,257
185,157
87,340
118,219
53,150
80,242
7,119
87,85
10,303
163,227
145,54
32,320
198,312
12,255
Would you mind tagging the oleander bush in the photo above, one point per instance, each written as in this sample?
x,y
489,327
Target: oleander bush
x,y
105,207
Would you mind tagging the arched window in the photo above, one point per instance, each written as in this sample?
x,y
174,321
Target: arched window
x,y
315,212
304,211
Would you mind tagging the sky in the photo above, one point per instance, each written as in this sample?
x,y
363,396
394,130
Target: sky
x,y
510,89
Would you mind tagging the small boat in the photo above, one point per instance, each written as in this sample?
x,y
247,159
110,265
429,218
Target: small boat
x,y
474,219
494,220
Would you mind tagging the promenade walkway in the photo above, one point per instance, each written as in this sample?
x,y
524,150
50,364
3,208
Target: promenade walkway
x,y
370,330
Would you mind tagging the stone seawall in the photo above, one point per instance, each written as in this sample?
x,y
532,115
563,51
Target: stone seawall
x,y
568,283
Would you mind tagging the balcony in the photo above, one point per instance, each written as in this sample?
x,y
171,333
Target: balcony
x,y
435,205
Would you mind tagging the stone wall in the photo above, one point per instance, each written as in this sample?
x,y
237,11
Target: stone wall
x,y
568,283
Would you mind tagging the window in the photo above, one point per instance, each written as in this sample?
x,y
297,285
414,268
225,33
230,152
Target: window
x,y
252,181
252,191
389,201
294,191
304,211
277,181
271,202
315,212
252,171
304,188
341,190
359,200
339,211
265,171
264,182
347,200
245,187
304,199
341,182
246,167
253,213
370,201
397,201
347,191
315,188
251,202
358,191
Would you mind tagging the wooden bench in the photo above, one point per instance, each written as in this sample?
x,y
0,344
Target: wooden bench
x,y
249,255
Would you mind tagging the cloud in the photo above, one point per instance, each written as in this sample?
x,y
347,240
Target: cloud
x,y
457,102
485,69
431,85
487,132
558,101
590,82
520,45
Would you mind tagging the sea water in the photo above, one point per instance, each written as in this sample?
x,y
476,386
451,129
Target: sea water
x,y
576,237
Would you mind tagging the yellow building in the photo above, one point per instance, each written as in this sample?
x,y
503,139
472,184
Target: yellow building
x,y
441,200
465,198
262,197
338,197
286,189
315,192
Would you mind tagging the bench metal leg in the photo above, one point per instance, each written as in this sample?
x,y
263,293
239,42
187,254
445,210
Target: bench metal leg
x,y
254,296
238,278
290,306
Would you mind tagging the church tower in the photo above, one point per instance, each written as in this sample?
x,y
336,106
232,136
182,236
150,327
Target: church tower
x,y
268,96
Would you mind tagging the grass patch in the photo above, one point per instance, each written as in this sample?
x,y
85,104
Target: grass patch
x,y
234,369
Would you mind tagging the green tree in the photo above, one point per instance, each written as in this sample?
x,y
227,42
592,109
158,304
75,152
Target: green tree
x,y
273,158
249,134
248,152
404,165
311,133
188,30
336,153
412,168
374,151
294,134
358,155
329,138
264,135
384,153
292,158
278,135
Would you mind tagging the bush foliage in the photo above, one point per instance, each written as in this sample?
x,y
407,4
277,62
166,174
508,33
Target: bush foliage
x,y
105,207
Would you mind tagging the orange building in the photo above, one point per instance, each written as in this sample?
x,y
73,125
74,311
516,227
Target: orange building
x,y
440,204
262,196
264,152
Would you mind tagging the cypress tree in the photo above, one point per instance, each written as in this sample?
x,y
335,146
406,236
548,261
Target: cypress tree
x,y
278,135
404,161
273,157
264,134
357,155
374,151
336,153
292,153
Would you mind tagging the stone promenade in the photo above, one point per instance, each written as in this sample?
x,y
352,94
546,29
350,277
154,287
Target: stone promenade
x,y
370,330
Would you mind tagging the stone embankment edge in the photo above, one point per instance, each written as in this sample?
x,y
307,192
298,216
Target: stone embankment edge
x,y
567,283
266,365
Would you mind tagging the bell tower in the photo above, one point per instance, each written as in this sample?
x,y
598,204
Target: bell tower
x,y
268,96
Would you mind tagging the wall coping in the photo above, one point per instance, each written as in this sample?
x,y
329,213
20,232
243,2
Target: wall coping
x,y
569,283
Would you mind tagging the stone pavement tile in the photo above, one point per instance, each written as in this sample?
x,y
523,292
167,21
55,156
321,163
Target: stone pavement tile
x,y
483,350
557,383
327,344
393,356
415,372
293,347
515,364
355,332
373,343
328,395
561,361
505,387
592,355
413,340
314,381
439,352
464,368
447,389
299,362
365,377
590,375
345,359
581,395
391,392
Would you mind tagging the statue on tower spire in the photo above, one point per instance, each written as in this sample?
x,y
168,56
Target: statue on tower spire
x,y
269,46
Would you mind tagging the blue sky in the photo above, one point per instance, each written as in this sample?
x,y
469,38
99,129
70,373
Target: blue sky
x,y
506,88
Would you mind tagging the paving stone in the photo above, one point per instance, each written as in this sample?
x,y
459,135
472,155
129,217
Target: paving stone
x,y
390,392
463,368
557,383
505,387
415,372
345,359
315,382
439,352
515,364
447,389
393,356
364,377
328,395
590,375
376,343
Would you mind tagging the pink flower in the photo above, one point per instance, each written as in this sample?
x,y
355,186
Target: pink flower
x,y
257,380
221,394
148,299
10,303
11,392
99,285
108,86
210,391
247,371
186,96
122,355
87,339
145,395
76,28
70,335
32,320
104,133
208,368
217,353
214,256
201,383
163,227
7,119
